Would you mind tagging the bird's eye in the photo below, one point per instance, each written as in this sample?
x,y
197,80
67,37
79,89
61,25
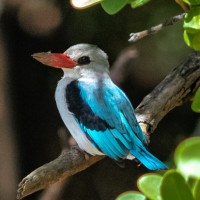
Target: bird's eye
x,y
84,60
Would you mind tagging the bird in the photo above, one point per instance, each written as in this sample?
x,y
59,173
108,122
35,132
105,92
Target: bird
x,y
97,113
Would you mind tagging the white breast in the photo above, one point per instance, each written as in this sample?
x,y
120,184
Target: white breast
x,y
69,120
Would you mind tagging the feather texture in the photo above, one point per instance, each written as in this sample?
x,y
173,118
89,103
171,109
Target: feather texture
x,y
107,118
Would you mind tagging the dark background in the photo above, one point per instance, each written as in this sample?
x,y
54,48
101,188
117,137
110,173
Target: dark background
x,y
29,113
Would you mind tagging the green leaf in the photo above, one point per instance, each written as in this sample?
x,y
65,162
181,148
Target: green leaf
x,y
150,184
196,102
81,4
113,6
137,3
192,19
197,190
174,187
131,196
192,40
192,28
187,157
192,2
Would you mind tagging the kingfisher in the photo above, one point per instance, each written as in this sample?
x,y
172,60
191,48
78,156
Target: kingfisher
x,y
97,113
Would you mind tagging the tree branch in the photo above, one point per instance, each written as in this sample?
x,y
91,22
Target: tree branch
x,y
139,35
67,164
178,87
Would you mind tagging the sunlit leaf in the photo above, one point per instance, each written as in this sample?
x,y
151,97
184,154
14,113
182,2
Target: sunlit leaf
x,y
174,187
150,184
191,21
197,190
187,157
81,4
192,28
192,2
192,40
196,102
191,182
137,3
113,6
131,195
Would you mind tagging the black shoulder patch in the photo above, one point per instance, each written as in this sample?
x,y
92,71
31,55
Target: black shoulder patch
x,y
81,109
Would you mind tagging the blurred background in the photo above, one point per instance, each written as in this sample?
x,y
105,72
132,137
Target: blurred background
x,y
29,120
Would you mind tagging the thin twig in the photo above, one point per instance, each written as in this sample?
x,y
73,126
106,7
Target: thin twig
x,y
177,88
139,35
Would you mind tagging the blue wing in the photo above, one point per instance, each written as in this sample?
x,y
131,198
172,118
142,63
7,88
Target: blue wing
x,y
106,116
111,104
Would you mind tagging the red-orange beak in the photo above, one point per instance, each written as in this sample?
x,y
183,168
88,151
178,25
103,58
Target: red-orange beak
x,y
58,60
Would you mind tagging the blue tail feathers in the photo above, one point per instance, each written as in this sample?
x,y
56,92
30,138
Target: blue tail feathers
x,y
147,159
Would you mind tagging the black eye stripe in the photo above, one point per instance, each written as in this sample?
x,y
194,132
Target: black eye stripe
x,y
84,60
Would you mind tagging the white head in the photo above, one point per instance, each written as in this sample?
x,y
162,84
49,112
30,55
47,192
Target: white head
x,y
81,60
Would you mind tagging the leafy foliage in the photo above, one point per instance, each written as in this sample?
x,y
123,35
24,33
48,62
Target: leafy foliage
x,y
174,187
192,2
187,158
175,183
137,3
191,25
81,4
131,196
196,190
192,28
113,6
110,6
150,184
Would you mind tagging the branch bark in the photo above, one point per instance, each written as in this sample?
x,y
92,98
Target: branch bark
x,y
168,22
178,87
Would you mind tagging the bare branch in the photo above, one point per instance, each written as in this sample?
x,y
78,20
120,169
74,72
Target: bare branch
x,y
67,164
137,36
178,87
